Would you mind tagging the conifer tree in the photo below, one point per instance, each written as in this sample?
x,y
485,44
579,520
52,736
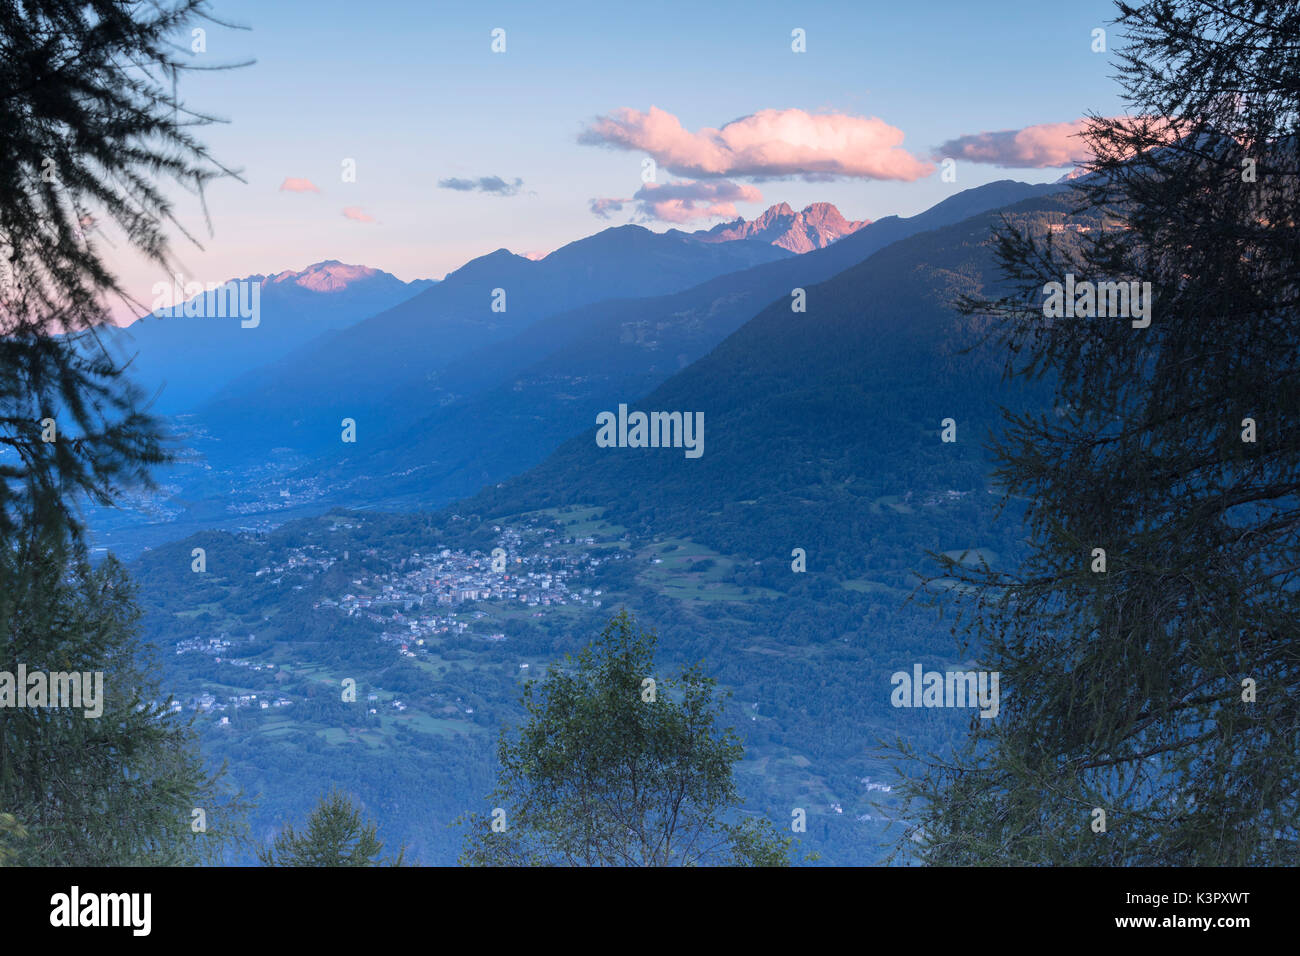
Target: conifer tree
x,y
91,129
118,780
335,835
1149,647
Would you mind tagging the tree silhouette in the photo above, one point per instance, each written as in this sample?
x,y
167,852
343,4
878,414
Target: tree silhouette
x,y
90,127
335,835
1158,681
115,788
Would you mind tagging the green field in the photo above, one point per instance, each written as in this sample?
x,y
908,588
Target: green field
x,y
672,575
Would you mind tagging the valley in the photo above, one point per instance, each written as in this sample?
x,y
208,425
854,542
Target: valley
x,y
369,616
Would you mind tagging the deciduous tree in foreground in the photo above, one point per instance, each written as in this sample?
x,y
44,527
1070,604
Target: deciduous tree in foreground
x,y
616,765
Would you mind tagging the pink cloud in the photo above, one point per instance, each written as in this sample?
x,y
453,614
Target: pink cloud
x,y
354,212
603,207
294,185
769,143
1034,147
1052,144
683,200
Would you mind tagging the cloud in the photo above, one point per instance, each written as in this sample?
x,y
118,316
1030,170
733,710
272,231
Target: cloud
x,y
769,144
603,207
484,184
1034,147
293,185
685,200
1047,145
354,212
682,200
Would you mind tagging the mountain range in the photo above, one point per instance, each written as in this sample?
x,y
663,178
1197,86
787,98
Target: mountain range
x,y
299,401
449,396
823,437
817,424
507,404
814,227
184,360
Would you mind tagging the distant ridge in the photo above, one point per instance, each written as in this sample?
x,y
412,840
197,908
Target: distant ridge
x,y
331,275
185,360
814,227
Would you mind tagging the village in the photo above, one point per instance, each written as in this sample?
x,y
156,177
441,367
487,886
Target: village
x,y
422,597
416,599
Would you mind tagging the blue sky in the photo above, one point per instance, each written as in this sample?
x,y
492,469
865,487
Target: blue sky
x,y
414,93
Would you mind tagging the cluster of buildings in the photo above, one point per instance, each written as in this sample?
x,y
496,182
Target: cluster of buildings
x,y
208,703
277,495
931,500
158,505
309,559
212,646
215,647
424,596
415,598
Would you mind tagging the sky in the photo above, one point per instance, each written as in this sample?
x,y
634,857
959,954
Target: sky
x,y
460,150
